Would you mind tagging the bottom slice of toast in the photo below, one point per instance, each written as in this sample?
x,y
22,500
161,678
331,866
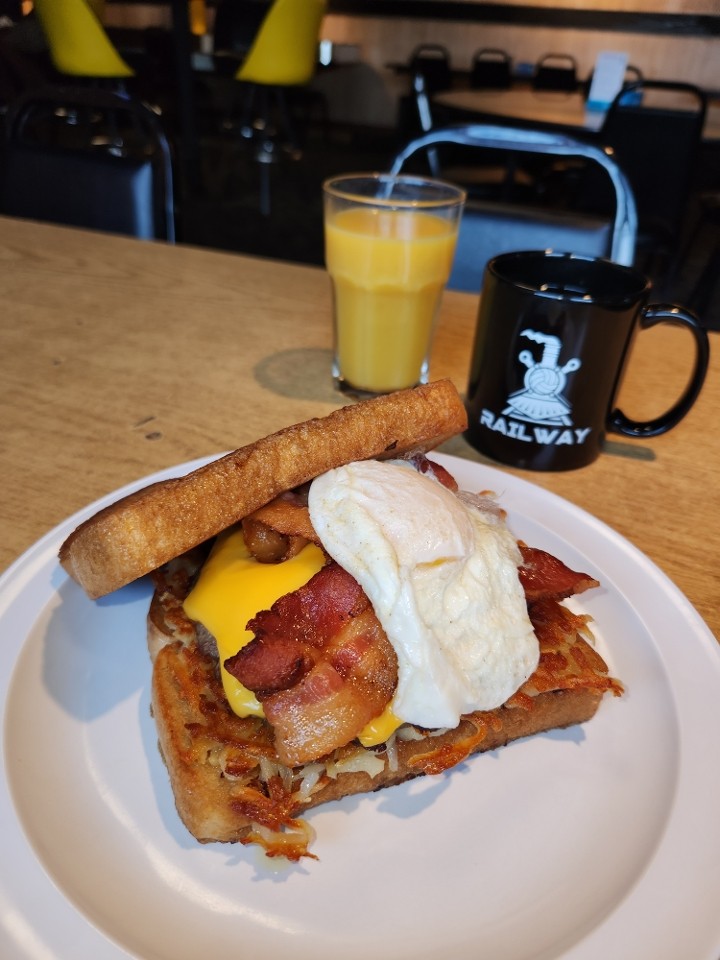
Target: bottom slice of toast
x,y
229,785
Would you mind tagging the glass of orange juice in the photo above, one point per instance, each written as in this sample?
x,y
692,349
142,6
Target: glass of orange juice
x,y
389,246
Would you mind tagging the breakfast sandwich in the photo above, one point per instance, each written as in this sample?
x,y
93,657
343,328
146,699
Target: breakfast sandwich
x,y
332,615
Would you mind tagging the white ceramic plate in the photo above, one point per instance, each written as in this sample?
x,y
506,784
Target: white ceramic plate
x,y
596,842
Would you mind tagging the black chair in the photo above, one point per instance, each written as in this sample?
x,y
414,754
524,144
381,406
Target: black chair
x,y
556,71
432,62
488,229
491,69
698,263
88,158
655,130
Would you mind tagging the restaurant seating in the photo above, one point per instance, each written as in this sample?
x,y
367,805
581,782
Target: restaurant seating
x,y
501,177
489,228
699,260
283,56
654,129
432,62
556,71
430,71
234,30
491,69
113,173
78,43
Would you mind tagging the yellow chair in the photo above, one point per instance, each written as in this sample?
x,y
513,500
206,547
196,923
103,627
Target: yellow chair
x,y
284,52
78,43
283,55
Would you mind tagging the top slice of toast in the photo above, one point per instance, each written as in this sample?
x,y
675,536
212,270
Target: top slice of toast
x,y
146,529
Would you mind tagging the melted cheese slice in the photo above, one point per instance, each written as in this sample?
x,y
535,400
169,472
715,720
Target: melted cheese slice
x,y
380,729
231,589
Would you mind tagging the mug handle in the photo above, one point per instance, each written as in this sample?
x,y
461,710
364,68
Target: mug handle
x,y
649,317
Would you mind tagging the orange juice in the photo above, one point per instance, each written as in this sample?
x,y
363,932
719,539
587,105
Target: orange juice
x,y
388,269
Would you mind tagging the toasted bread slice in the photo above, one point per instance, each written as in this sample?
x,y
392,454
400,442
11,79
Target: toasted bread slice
x,y
141,532
227,781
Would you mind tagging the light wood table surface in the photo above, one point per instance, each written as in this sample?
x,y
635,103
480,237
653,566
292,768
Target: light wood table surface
x,y
553,108
120,358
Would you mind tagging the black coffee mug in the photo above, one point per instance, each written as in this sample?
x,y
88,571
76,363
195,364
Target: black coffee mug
x,y
553,336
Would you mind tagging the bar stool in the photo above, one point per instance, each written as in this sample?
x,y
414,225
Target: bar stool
x,y
79,46
283,56
234,31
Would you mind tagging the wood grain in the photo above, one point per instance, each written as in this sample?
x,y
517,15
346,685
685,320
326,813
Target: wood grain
x,y
119,358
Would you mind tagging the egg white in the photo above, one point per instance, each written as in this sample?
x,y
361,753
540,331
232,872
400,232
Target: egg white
x,y
441,573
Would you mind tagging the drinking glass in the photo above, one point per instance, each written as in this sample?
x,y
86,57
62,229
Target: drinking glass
x,y
389,247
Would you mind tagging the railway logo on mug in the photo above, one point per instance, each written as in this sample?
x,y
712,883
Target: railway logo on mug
x,y
541,400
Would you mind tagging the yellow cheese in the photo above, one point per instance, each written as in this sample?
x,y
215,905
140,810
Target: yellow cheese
x,y
380,729
231,589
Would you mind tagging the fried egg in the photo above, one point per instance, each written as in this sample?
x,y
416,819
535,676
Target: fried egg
x,y
441,571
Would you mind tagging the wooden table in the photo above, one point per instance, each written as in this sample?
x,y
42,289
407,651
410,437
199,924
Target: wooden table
x,y
120,357
567,110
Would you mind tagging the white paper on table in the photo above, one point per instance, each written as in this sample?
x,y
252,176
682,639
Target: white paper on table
x,y
608,78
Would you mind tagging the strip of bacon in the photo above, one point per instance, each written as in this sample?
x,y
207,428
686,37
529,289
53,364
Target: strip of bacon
x,y
289,637
320,664
326,710
433,469
543,575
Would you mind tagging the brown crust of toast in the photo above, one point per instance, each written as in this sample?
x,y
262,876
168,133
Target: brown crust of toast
x,y
148,528
200,738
